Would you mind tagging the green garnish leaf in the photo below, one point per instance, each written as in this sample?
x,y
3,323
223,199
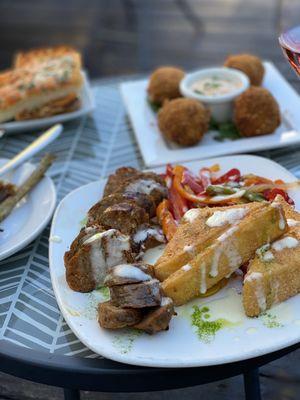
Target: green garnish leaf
x,y
154,106
213,125
198,91
227,130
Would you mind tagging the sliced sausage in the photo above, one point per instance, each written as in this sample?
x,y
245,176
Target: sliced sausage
x,y
146,184
136,295
115,180
87,268
157,319
112,317
125,217
139,199
84,234
148,236
129,273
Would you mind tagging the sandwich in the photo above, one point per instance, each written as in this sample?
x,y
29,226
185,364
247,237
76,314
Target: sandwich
x,y
246,229
41,55
25,91
274,274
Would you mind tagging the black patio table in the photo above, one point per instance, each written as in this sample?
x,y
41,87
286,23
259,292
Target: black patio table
x,y
35,341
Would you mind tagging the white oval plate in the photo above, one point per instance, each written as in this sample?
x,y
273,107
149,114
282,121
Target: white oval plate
x,y
180,346
31,215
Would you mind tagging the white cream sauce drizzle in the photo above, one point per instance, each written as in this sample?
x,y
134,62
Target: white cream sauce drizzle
x,y
239,193
130,271
55,239
113,254
220,218
287,242
264,253
144,186
258,289
165,301
144,232
186,267
292,222
191,215
203,287
188,249
282,219
219,249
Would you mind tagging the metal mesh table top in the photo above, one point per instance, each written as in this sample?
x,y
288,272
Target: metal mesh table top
x,y
87,150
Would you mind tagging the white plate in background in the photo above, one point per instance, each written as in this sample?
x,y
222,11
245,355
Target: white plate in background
x,y
86,107
30,216
179,346
158,151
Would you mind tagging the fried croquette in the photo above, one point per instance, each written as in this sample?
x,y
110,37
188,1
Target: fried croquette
x,y
251,65
256,112
164,84
183,121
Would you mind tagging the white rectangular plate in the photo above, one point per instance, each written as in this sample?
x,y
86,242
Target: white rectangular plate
x,y
87,106
180,346
157,151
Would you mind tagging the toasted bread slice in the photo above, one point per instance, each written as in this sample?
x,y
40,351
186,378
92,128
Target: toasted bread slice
x,y
40,55
194,235
63,105
26,89
228,252
274,274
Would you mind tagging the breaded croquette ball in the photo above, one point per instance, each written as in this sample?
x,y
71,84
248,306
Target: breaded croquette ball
x,y
251,65
183,121
256,112
164,84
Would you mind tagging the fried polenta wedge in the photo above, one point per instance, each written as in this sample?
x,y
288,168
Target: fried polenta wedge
x,y
274,274
229,251
194,235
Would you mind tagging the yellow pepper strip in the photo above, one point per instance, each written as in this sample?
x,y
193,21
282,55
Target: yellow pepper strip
x,y
214,168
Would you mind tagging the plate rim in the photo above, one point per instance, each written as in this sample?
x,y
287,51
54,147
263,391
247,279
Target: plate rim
x,y
39,228
148,361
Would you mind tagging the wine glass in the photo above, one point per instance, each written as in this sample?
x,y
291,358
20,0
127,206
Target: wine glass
x,y
290,44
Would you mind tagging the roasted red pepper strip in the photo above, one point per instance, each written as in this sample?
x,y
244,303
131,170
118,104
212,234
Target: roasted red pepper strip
x,y
178,204
270,195
232,175
169,175
166,219
192,181
205,175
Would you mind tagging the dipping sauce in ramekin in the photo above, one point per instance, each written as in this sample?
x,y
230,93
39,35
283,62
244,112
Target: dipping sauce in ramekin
x,y
216,88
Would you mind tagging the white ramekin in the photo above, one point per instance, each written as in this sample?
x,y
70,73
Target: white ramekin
x,y
221,106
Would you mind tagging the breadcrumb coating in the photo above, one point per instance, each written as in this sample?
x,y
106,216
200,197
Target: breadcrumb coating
x,y
251,65
184,121
256,112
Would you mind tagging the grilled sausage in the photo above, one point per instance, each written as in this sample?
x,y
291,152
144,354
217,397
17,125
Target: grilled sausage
x,y
112,317
87,268
139,199
136,295
115,180
129,273
125,217
157,319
